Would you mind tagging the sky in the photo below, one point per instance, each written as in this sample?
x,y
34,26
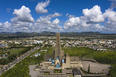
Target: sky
x,y
58,16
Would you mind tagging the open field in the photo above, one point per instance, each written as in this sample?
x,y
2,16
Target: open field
x,y
13,51
78,51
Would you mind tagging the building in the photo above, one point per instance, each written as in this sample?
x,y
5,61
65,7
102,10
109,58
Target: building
x,y
58,60
62,65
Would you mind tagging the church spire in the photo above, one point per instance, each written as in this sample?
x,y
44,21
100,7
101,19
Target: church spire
x,y
58,47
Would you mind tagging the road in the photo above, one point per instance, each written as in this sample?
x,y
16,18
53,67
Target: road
x,y
10,65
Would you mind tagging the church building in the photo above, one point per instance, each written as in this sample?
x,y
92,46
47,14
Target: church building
x,y
58,60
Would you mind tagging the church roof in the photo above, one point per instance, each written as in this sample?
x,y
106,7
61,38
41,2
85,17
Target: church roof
x,y
57,66
47,57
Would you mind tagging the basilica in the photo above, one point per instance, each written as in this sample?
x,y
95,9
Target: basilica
x,y
59,64
59,60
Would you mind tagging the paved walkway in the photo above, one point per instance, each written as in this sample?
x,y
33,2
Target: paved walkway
x,y
32,72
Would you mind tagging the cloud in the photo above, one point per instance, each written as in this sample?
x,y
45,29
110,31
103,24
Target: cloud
x,y
8,10
4,27
20,26
0,24
6,24
110,26
110,14
113,4
56,15
72,22
44,23
90,21
69,16
48,17
40,7
22,14
94,14
44,20
79,24
56,21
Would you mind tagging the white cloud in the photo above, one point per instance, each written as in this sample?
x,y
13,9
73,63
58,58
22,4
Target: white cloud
x,y
56,14
40,7
69,16
22,14
6,24
110,26
0,24
20,26
56,21
94,14
48,17
110,14
44,20
79,24
72,22
95,11
45,24
4,27
76,24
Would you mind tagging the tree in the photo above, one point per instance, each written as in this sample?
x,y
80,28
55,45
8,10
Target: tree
x,y
89,69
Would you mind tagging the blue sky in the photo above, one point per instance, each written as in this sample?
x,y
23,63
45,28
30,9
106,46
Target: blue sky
x,y
58,15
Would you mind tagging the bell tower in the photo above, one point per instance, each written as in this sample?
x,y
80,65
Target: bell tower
x,y
58,52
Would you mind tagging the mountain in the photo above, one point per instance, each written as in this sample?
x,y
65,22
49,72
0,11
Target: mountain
x,y
91,33
48,33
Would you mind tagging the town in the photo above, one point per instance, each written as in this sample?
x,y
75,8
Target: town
x,y
13,51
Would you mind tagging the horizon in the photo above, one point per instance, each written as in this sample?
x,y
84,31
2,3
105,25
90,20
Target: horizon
x,y
58,16
59,32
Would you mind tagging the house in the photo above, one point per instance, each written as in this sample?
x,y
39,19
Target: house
x,y
37,42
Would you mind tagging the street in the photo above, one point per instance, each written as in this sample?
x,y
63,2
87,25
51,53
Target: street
x,y
10,65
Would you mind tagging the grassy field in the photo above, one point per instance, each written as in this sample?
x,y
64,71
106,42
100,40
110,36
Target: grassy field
x,y
13,51
78,51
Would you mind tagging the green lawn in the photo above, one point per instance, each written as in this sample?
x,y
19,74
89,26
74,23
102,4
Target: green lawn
x,y
78,51
15,51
